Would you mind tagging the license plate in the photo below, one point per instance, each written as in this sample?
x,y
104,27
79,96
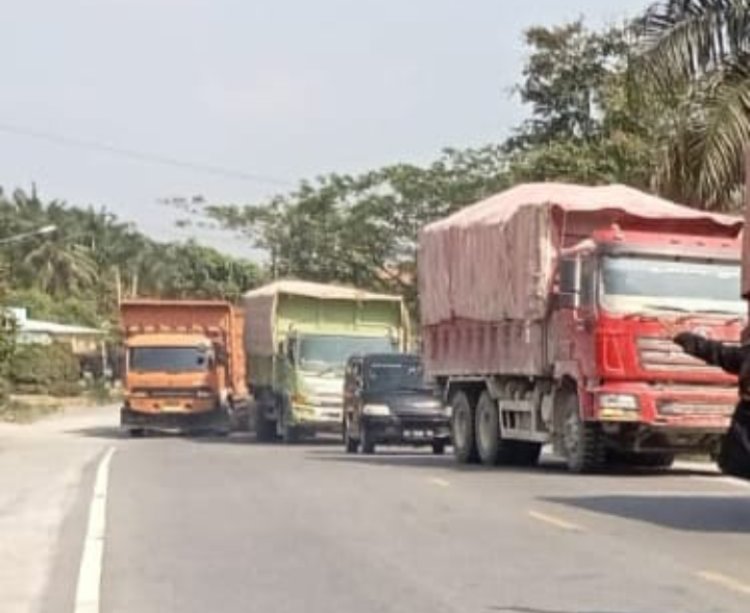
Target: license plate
x,y
418,433
175,408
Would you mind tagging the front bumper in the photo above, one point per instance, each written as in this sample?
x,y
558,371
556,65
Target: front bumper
x,y
687,407
317,419
407,430
183,421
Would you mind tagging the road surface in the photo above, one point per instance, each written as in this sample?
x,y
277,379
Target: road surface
x,y
199,525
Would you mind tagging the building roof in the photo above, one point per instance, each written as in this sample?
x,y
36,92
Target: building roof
x,y
36,326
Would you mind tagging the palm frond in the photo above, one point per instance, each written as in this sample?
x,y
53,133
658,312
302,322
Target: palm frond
x,y
681,40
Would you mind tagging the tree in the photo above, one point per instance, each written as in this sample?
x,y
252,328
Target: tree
x,y
700,50
588,122
362,230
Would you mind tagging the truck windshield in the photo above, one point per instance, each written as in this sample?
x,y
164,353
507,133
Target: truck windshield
x,y
167,359
657,283
324,352
393,375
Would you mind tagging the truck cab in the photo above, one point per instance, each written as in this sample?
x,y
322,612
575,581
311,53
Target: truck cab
x,y
316,364
622,298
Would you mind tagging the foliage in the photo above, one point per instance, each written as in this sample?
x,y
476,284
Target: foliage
x,y
362,230
76,274
45,369
700,50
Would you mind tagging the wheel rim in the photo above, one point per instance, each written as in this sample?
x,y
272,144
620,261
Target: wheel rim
x,y
460,425
484,431
572,434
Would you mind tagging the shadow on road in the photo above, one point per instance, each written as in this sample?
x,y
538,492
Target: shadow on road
x,y
698,513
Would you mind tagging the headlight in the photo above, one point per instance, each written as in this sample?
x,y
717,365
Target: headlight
x,y
300,398
204,393
622,402
376,410
138,394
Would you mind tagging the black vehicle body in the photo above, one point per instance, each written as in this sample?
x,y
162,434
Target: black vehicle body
x,y
387,402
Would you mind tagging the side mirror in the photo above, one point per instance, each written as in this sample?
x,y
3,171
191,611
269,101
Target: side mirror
x,y
222,359
569,287
291,353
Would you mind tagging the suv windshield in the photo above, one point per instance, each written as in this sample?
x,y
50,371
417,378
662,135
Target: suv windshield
x,y
383,374
660,283
325,352
168,359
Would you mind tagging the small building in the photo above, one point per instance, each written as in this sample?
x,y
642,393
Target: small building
x,y
83,341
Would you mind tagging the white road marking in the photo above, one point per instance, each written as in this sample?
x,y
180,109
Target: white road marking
x,y
555,521
439,482
90,571
723,580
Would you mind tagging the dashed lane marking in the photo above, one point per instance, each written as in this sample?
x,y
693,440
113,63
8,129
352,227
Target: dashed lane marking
x,y
555,521
725,581
439,482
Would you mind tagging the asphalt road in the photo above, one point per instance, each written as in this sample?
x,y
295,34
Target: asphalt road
x,y
198,525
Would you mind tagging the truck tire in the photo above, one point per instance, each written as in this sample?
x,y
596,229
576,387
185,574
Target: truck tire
x,y
265,429
351,444
366,442
583,442
525,453
290,435
491,447
462,429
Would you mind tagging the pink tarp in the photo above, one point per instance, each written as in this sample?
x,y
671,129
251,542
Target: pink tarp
x,y
495,260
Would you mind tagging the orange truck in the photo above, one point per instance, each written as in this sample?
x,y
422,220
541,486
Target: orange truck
x,y
184,366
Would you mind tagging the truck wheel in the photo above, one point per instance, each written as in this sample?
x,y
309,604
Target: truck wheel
x,y
582,442
265,429
351,444
526,453
492,449
462,429
438,447
291,435
366,442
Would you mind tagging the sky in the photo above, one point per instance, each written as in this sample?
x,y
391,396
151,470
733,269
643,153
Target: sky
x,y
124,103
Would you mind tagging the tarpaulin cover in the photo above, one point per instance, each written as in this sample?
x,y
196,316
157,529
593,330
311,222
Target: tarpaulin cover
x,y
495,260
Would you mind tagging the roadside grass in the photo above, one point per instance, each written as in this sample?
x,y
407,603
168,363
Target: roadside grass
x,y
29,408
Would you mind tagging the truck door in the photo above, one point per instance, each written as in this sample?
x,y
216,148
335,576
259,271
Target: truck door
x,y
587,315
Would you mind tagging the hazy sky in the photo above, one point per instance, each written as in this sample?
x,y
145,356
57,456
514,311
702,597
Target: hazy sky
x,y
275,89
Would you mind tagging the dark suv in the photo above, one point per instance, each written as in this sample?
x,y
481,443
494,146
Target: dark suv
x,y
386,401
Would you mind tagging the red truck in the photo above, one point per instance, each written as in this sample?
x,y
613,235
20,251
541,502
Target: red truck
x,y
548,312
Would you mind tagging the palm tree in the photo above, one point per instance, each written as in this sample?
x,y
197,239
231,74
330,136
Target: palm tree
x,y
61,268
698,52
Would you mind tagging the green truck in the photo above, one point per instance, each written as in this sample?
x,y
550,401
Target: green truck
x,y
298,336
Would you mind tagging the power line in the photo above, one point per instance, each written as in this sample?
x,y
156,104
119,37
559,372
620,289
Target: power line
x,y
66,141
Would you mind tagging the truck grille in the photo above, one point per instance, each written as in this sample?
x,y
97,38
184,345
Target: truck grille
x,y
664,355
670,407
